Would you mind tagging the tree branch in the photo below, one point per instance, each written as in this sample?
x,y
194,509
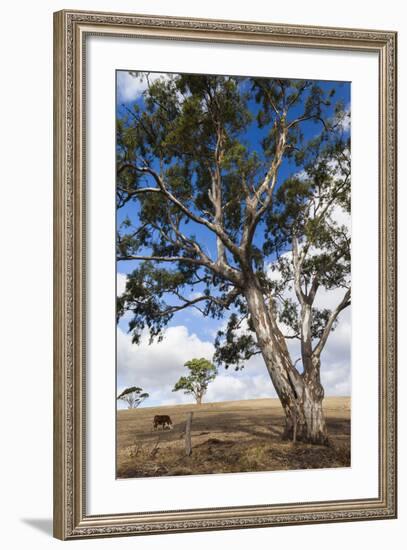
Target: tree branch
x,y
345,302
198,219
298,260
226,302
269,97
161,259
253,212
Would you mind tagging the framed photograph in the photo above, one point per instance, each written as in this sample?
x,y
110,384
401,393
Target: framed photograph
x,y
225,274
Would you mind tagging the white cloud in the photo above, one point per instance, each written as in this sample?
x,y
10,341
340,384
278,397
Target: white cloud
x,y
346,120
241,385
301,175
121,279
345,123
328,298
130,88
158,366
121,283
341,217
335,358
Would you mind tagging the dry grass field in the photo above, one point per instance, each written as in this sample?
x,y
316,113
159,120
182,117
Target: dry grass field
x,y
232,436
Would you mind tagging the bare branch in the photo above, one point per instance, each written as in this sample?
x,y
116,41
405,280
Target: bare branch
x,y
174,309
226,302
215,228
313,290
254,213
268,95
307,117
183,241
292,336
160,259
139,191
298,259
344,303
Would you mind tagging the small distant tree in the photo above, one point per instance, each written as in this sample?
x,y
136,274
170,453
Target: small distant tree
x,y
133,396
201,373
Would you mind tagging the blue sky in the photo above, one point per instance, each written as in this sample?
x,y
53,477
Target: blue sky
x,y
157,367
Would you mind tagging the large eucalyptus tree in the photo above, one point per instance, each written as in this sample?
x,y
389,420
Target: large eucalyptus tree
x,y
235,189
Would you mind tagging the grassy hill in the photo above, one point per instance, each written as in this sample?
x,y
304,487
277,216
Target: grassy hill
x,y
230,436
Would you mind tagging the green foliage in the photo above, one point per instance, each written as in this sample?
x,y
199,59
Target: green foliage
x,y
235,345
201,373
184,159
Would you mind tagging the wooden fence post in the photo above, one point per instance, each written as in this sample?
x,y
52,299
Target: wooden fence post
x,y
188,445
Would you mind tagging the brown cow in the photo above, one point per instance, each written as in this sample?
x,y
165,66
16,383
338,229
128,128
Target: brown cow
x,y
163,420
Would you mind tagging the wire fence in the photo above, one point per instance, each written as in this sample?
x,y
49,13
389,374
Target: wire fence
x,y
185,427
144,422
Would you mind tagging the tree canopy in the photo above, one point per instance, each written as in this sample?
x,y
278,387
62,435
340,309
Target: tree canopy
x,y
201,373
133,396
184,156
235,193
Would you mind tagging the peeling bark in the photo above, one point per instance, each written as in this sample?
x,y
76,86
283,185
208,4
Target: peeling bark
x,y
301,395
307,416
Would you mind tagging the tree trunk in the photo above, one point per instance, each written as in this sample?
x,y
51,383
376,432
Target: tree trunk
x,y
199,399
305,418
301,395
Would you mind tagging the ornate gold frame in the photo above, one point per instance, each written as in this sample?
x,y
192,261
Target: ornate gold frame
x,y
70,31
